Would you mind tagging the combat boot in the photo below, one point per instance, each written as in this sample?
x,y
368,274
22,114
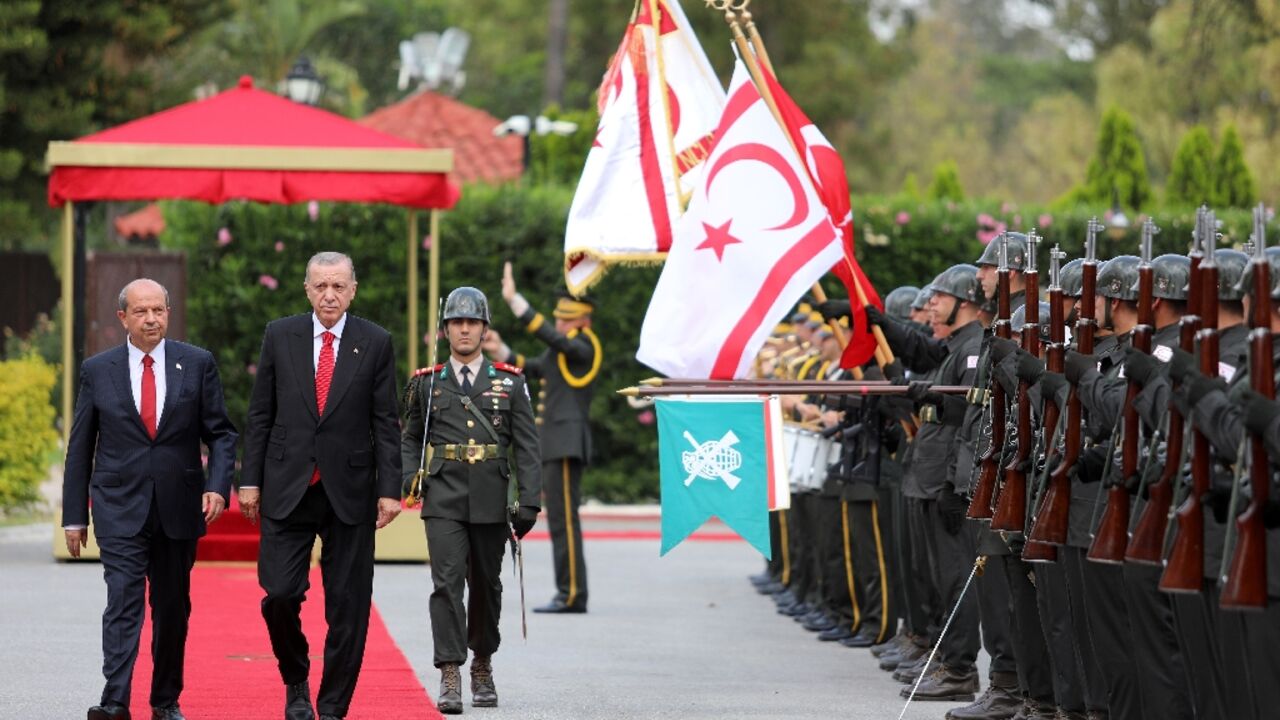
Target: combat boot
x,y
449,701
1071,715
908,673
946,684
894,643
999,702
483,693
1032,710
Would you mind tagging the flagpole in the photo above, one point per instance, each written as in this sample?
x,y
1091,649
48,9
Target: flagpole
x,y
750,52
792,387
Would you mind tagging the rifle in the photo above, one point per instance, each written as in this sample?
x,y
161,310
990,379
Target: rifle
x,y
989,464
1246,581
1147,544
1011,505
1050,525
1112,537
1034,550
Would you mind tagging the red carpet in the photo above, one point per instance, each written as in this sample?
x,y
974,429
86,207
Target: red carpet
x,y
231,538
231,673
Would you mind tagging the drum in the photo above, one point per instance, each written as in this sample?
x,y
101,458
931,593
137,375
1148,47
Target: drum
x,y
806,452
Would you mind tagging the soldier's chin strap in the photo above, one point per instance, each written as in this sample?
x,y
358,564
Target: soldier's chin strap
x,y
955,308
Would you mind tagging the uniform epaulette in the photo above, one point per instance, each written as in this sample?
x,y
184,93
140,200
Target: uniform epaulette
x,y
428,370
504,367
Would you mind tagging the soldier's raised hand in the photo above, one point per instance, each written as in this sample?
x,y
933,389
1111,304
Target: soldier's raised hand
x,y
508,282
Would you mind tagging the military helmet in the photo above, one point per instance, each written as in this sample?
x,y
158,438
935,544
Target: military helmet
x,y
922,298
1246,278
1231,265
1170,275
466,303
1017,251
897,304
1117,276
1071,278
960,281
1019,318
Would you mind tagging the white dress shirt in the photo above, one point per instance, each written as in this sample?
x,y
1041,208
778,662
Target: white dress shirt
x,y
456,365
135,376
317,332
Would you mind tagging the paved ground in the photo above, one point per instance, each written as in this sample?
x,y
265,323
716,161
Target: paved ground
x,y
682,636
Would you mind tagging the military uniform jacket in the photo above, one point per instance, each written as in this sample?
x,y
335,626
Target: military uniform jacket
x,y
567,370
934,457
457,489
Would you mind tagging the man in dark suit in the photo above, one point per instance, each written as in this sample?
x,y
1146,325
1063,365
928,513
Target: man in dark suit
x,y
567,370
321,458
141,414
479,413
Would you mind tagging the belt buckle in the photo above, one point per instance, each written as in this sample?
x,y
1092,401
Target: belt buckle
x,y
473,453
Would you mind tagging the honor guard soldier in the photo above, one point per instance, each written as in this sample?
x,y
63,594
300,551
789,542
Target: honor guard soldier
x,y
567,369
464,419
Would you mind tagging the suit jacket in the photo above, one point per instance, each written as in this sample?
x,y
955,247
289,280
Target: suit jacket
x,y
355,444
459,490
111,458
563,410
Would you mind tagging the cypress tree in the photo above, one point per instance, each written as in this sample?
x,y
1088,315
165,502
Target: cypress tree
x,y
1234,185
1118,167
1191,181
946,182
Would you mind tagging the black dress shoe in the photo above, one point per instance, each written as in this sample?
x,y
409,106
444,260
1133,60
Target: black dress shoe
x,y
326,716
835,634
167,712
297,702
822,624
770,588
864,639
559,607
109,711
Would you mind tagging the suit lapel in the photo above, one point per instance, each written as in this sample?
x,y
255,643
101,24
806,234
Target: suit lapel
x,y
124,389
301,347
483,382
352,350
173,376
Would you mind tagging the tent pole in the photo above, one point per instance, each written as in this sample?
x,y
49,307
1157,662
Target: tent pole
x,y
413,290
433,275
68,317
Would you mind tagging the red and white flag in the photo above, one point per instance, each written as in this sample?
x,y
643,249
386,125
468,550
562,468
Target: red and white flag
x,y
826,169
659,104
756,236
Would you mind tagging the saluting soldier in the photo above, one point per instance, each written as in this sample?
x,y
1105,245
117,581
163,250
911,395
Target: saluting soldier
x,y
464,418
567,370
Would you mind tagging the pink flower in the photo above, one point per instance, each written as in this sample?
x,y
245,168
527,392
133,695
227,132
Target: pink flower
x,y
1017,220
1005,207
313,210
1045,220
251,368
986,220
426,242
279,246
986,235
903,217
224,237
645,418
1106,216
268,282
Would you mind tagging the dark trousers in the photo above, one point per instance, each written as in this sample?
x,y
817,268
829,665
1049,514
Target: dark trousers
x,y
1109,630
869,560
778,549
993,600
1031,652
129,564
837,595
1198,643
951,559
470,555
920,601
1163,680
1071,559
1058,623
1262,637
804,555
346,568
562,486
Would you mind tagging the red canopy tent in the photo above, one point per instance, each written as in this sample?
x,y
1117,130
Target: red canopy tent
x,y
247,144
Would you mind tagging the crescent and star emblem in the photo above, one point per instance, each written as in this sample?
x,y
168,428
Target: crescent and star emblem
x,y
720,237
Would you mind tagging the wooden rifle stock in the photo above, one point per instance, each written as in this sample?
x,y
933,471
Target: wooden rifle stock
x,y
984,492
1034,550
1011,505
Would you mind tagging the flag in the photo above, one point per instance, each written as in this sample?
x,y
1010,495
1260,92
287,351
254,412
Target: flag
x,y
755,238
826,169
721,457
659,104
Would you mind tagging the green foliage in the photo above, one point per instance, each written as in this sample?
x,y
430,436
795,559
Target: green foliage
x,y
1234,185
27,436
559,159
44,341
1191,182
1117,171
911,187
946,183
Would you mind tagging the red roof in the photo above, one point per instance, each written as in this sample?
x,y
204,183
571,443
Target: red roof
x,y
146,222
245,116
437,121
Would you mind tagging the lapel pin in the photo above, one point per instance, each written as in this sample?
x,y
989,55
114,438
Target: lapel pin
x,y
178,365
356,350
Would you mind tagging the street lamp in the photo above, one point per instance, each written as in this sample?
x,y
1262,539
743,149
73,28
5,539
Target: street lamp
x,y
524,126
1118,222
303,84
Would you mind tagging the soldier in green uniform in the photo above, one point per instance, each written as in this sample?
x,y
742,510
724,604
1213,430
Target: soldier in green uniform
x,y
479,415
567,370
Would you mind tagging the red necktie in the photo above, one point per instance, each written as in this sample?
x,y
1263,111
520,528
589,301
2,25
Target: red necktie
x,y
148,410
324,375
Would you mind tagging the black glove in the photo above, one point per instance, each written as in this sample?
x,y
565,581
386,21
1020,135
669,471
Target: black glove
x,y
1199,386
1139,366
1259,412
874,316
893,373
1030,369
1051,384
952,508
524,520
1076,365
834,309
1003,372
918,389
1091,464
1218,500
1271,514
1182,365
895,333
1002,348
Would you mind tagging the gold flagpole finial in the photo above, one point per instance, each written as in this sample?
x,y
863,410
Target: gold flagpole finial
x,y
630,392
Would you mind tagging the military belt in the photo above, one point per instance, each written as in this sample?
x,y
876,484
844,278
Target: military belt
x,y
467,453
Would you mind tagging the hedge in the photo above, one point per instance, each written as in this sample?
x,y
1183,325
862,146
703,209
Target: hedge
x,y
246,263
27,436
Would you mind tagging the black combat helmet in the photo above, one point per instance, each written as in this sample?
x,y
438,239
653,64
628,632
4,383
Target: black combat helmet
x,y
1019,318
922,298
1117,278
1071,278
897,304
1017,251
1170,275
1246,278
960,281
1231,265
466,303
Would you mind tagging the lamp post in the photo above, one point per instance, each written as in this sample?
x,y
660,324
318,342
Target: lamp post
x,y
525,127
303,84
1117,222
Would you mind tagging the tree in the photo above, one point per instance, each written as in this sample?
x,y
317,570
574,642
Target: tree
x,y
1117,171
946,183
1233,185
1191,181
